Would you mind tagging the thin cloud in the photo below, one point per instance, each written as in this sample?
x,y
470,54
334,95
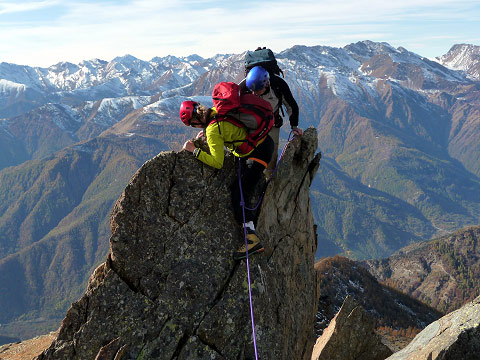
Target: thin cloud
x,y
148,28
10,7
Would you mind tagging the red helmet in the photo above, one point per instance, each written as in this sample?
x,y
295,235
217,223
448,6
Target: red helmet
x,y
187,109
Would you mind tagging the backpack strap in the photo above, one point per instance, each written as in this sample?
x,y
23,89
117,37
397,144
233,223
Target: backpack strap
x,y
257,111
231,120
235,122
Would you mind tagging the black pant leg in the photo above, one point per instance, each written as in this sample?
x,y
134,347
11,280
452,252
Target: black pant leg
x,y
252,176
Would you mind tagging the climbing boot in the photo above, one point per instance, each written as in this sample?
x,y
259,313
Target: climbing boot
x,y
254,246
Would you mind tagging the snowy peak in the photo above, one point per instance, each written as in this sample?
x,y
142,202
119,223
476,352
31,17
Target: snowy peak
x,y
401,59
129,63
93,80
367,48
195,57
138,77
126,59
10,87
64,67
322,57
93,63
464,57
353,72
169,60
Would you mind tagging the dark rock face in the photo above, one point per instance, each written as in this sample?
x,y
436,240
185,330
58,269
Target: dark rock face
x,y
170,288
350,336
455,336
443,272
340,277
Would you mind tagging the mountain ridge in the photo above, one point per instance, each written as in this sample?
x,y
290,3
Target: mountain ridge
x,y
442,272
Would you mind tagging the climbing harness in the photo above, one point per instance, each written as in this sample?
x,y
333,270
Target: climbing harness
x,y
242,204
289,140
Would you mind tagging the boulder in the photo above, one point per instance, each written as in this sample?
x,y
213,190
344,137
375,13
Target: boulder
x,y
456,336
350,336
170,289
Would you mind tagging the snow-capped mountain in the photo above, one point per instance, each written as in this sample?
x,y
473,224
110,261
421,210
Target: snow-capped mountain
x,y
87,74
362,75
352,71
93,80
463,57
355,73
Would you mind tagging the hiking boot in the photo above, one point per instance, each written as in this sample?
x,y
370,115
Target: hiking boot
x,y
254,246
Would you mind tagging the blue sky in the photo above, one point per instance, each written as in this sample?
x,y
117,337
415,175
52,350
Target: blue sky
x,y
45,32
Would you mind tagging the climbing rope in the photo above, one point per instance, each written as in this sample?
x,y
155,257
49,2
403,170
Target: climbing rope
x,y
242,204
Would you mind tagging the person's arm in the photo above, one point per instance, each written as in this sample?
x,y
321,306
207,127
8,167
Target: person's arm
x,y
215,143
289,101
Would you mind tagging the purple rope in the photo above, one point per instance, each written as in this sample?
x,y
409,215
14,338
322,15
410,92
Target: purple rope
x,y
273,172
242,204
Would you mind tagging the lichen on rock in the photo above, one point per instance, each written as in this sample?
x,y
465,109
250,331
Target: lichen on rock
x,y
170,288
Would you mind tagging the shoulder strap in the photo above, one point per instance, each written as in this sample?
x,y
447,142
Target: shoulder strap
x,y
230,119
235,122
256,110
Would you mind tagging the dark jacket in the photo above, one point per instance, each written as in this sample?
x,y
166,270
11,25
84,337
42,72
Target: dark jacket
x,y
278,94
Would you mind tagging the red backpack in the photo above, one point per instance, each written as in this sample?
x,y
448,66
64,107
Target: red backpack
x,y
243,110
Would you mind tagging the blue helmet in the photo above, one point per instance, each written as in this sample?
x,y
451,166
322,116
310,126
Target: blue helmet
x,y
257,78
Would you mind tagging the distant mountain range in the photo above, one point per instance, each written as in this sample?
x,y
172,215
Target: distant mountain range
x,y
398,133
444,272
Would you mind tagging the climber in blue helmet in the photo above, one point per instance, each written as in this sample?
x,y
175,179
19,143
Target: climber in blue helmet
x,y
276,91
257,79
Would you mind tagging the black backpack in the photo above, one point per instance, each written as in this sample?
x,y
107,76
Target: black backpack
x,y
262,57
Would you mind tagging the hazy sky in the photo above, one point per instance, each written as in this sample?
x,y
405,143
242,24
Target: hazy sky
x,y
43,33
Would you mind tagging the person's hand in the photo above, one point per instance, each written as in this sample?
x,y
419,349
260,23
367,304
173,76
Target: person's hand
x,y
199,135
189,146
297,131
